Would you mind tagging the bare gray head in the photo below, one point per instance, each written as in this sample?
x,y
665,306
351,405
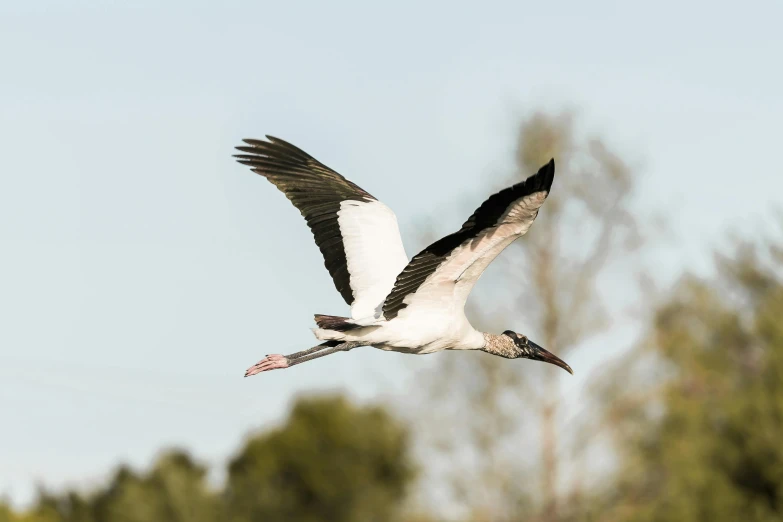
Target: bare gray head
x,y
524,348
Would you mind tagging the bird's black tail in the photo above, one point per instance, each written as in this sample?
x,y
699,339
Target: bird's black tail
x,y
333,322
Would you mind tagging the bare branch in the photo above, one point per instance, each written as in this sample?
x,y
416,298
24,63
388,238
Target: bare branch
x,y
559,298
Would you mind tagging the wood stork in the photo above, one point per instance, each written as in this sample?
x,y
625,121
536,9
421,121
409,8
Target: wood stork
x,y
414,306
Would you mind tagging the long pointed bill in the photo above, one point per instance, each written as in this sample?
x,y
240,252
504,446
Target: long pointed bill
x,y
546,356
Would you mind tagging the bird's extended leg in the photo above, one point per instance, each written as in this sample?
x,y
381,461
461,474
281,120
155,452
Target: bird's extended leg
x,y
276,361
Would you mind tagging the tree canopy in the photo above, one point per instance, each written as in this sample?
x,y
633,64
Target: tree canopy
x,y
330,460
708,443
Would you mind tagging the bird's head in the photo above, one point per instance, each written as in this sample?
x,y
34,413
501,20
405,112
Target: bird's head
x,y
527,349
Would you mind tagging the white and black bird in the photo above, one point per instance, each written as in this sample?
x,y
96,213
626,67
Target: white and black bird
x,y
414,306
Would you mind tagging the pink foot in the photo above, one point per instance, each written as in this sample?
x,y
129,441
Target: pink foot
x,y
270,362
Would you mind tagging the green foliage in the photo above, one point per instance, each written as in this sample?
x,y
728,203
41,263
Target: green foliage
x,y
713,448
175,490
7,515
39,514
330,461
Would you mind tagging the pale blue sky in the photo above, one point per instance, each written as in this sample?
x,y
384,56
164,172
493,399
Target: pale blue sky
x,y
143,270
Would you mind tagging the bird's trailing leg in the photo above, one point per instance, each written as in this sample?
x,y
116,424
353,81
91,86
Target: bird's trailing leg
x,y
276,361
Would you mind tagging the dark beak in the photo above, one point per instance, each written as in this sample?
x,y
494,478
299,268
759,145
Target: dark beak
x,y
549,357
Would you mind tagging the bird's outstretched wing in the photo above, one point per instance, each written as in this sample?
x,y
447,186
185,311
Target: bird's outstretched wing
x,y
357,234
444,273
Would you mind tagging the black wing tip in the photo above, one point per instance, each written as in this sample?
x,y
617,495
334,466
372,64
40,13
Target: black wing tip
x,y
542,180
549,168
275,139
274,148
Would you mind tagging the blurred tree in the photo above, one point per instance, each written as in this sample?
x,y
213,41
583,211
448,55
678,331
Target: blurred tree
x,y
330,461
173,490
40,513
583,227
7,514
69,507
706,441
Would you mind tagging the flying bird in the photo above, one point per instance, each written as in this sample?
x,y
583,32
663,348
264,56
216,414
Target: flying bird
x,y
411,306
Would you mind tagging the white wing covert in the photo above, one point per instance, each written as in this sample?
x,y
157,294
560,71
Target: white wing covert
x,y
358,235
